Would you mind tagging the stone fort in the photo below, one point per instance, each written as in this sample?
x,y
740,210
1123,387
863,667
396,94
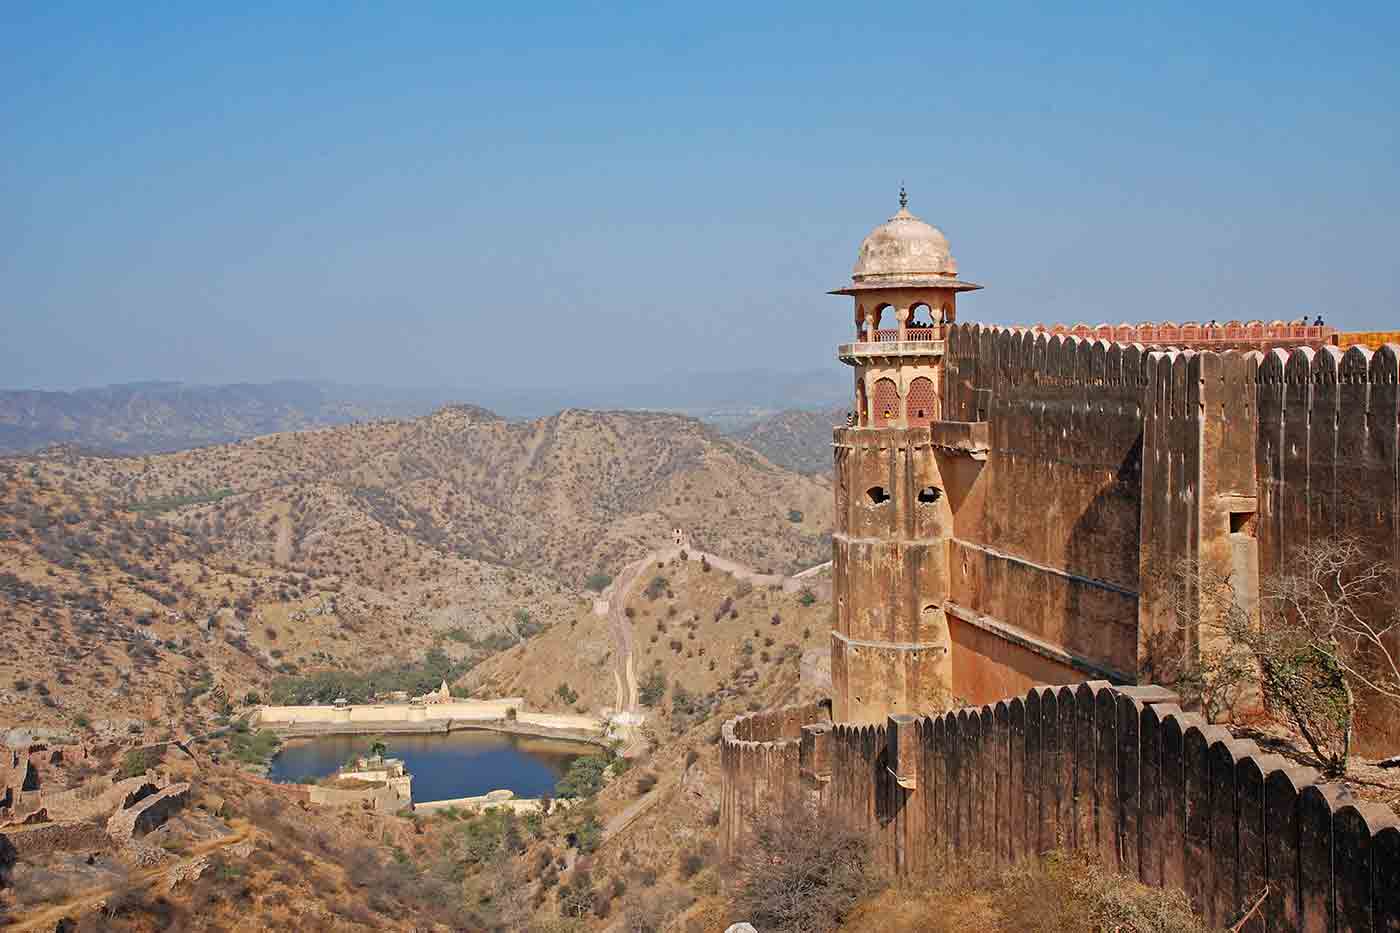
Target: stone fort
x,y
1007,499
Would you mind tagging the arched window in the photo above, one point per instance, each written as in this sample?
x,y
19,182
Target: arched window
x,y
886,323
921,407
886,403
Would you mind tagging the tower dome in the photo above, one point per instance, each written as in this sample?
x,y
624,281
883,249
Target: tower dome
x,y
904,248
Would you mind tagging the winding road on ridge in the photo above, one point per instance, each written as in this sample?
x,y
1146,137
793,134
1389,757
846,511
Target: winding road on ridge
x,y
612,603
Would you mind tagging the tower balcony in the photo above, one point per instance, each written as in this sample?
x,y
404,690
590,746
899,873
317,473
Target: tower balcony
x,y
891,342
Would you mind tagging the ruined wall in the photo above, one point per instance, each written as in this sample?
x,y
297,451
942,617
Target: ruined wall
x,y
37,842
1046,551
148,813
1125,775
97,798
760,765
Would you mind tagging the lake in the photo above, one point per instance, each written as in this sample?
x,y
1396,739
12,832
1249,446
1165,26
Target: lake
x,y
468,763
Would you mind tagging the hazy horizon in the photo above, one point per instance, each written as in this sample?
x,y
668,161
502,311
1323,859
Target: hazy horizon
x,y
451,196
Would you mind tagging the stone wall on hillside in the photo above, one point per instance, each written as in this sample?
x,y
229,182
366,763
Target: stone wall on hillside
x,y
148,813
761,763
1044,557
98,798
1124,775
36,842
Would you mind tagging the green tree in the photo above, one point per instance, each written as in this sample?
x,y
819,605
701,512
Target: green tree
x,y
652,689
583,779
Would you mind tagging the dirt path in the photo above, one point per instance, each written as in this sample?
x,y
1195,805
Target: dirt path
x,y
88,901
613,603
282,549
633,810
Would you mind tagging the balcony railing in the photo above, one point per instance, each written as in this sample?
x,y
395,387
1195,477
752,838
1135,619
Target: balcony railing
x,y
891,334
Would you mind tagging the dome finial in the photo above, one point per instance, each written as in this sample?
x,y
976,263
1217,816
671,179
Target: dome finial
x,y
903,197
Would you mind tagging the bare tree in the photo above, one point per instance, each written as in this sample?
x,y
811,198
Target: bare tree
x,y
802,871
1323,638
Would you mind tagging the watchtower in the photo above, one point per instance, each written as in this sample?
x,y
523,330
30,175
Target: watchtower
x,y
890,648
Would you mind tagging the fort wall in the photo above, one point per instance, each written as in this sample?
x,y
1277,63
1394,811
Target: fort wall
x,y
1044,558
1120,773
1327,466
761,764
1111,467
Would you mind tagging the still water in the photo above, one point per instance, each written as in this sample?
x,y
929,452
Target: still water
x,y
460,764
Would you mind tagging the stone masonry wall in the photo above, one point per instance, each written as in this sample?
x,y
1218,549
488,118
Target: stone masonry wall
x,y
1125,775
1110,465
1327,466
1046,536
760,764
148,813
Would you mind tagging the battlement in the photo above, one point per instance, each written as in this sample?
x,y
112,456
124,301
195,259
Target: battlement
x,y
1230,335
1119,773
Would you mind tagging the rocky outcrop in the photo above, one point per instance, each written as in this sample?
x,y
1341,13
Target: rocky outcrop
x,y
33,842
7,858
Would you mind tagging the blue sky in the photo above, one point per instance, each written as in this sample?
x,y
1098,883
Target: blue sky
x,y
467,195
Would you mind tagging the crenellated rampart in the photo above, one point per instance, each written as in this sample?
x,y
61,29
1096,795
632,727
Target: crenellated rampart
x,y
1120,773
1110,464
1210,335
761,763
1044,564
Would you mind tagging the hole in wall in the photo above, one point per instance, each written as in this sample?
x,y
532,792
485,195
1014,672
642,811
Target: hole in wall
x,y
1242,523
877,495
930,494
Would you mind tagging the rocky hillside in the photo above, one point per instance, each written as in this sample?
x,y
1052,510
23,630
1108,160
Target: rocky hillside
x,y
799,440
130,580
567,496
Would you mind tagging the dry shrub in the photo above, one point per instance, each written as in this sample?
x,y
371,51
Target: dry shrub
x,y
651,911
802,871
1061,892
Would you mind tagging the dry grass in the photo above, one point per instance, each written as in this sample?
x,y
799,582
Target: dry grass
x,y
740,653
1056,893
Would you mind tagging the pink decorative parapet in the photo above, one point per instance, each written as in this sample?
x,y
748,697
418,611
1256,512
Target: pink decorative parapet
x,y
1241,334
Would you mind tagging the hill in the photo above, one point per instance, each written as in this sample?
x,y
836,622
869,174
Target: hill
x,y
150,417
132,578
798,439
157,417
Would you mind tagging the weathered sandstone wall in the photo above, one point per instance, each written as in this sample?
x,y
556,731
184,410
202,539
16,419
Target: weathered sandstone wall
x,y
889,638
1327,466
1120,773
1044,559
1110,467
760,764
